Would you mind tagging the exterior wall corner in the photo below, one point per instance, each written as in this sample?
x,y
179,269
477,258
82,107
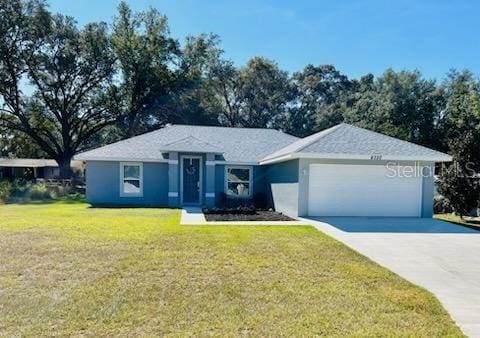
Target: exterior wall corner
x,y
173,180
428,187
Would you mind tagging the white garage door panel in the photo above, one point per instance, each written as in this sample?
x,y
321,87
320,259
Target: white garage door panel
x,y
361,190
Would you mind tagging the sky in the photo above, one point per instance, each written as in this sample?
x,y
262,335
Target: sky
x,y
356,36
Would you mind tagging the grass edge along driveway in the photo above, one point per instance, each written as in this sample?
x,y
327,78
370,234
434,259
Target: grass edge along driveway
x,y
466,222
68,269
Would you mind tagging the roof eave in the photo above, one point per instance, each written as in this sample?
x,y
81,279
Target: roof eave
x,y
6,165
119,159
180,150
163,160
292,156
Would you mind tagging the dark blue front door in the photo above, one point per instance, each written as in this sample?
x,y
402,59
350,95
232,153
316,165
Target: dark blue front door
x,y
191,180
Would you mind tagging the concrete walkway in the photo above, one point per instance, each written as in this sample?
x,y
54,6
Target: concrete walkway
x,y
439,256
194,216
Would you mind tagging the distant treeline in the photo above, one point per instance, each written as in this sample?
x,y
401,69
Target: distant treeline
x,y
66,88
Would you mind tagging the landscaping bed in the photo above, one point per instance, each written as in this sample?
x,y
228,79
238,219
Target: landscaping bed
x,y
243,214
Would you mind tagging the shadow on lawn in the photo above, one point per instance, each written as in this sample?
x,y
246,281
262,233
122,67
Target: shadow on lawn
x,y
68,199
80,199
130,206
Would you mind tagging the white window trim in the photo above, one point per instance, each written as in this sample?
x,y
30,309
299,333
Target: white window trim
x,y
250,181
122,172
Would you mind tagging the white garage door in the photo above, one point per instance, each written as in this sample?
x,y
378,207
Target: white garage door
x,y
362,190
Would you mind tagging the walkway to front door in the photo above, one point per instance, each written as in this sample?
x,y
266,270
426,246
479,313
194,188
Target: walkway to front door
x,y
191,180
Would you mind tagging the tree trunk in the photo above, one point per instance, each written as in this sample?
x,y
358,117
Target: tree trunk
x,y
64,166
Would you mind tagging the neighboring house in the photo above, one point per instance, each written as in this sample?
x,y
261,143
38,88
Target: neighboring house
x,y
30,168
341,171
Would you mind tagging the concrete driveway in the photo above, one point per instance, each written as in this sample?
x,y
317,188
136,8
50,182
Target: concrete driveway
x,y
442,257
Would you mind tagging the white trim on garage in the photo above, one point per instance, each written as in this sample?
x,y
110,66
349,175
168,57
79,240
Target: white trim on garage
x,y
376,157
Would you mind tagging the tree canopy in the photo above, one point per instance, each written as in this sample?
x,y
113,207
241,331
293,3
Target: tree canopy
x,y
68,69
460,122
65,88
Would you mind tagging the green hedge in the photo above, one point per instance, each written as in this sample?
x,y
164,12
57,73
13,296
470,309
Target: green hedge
x,y
24,191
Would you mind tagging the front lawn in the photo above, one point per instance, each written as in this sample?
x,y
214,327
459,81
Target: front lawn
x,y
67,269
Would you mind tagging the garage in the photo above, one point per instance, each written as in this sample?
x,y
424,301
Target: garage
x,y
362,190
349,171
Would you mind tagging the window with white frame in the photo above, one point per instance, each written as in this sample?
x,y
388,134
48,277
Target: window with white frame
x,y
238,181
131,179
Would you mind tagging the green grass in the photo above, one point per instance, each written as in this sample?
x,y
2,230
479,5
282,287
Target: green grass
x,y
67,269
473,224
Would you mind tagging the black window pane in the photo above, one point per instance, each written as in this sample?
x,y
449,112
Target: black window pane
x,y
238,175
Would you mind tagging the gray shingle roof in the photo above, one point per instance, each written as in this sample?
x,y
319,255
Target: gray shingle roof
x,y
32,162
236,144
191,144
249,145
347,141
27,162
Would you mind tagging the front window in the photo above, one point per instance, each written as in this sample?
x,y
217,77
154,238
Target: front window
x,y
239,181
131,179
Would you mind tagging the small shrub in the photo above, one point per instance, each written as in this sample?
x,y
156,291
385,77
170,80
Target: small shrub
x,y
259,201
25,191
459,187
232,203
38,191
6,189
441,205
240,210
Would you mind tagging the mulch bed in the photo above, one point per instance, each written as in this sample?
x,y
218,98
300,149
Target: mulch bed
x,y
259,215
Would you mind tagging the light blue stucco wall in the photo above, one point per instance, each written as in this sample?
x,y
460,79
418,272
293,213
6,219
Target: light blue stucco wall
x,y
260,185
173,172
103,184
219,182
282,186
428,190
285,184
210,197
